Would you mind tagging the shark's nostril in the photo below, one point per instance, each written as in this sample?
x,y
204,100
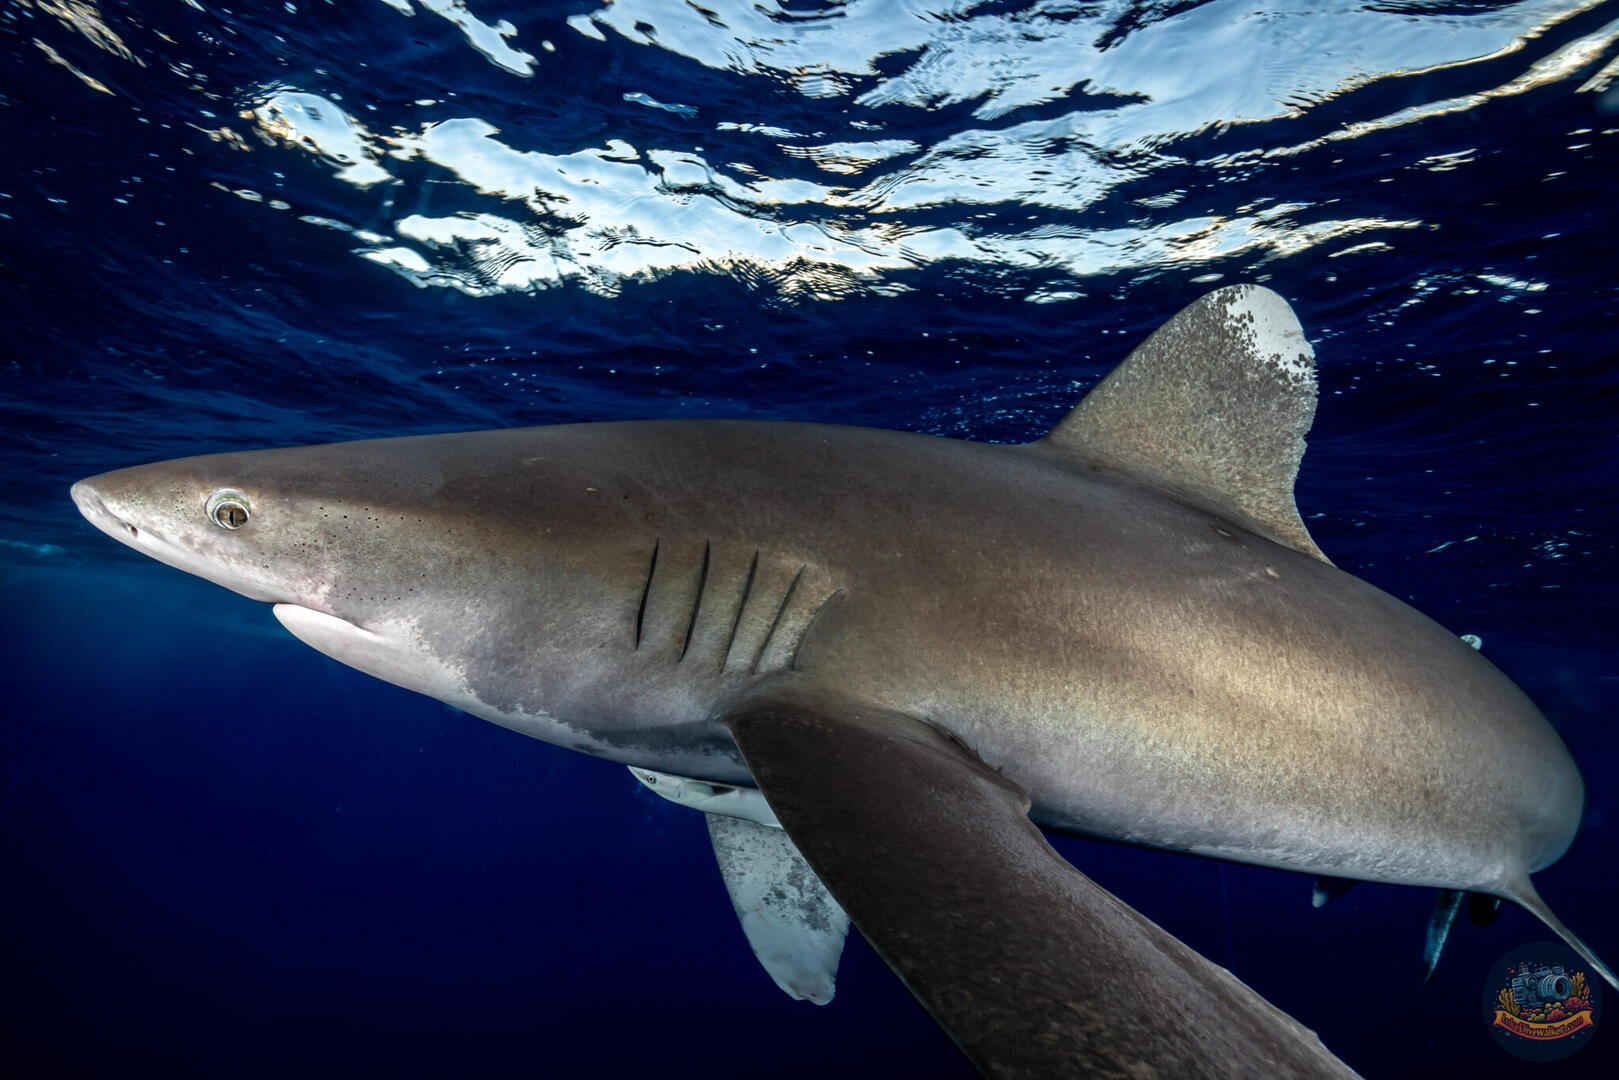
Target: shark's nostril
x,y
134,533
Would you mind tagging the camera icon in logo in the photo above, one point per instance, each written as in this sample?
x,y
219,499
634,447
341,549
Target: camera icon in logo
x,y
1541,984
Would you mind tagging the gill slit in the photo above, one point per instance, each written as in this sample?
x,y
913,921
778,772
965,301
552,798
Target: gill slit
x,y
747,589
646,590
792,663
785,600
697,604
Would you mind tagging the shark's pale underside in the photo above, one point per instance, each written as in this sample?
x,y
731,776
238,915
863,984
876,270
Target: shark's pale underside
x,y
873,657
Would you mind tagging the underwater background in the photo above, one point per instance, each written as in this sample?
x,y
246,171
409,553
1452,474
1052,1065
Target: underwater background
x,y
222,854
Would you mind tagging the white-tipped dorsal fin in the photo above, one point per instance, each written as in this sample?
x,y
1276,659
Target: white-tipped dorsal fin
x,y
1213,408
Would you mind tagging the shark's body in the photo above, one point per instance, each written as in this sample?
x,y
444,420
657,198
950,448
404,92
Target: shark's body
x,y
1127,621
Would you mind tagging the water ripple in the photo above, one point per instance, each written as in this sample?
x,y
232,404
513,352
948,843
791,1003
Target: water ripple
x,y
1048,137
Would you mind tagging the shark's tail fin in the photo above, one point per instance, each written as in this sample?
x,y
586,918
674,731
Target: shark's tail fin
x,y
1524,895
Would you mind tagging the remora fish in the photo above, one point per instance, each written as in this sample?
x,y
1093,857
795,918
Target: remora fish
x,y
911,646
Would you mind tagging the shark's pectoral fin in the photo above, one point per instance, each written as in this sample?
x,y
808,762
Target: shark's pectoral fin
x,y
795,927
1030,967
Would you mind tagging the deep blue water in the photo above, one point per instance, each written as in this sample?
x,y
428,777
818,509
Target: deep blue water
x,y
222,854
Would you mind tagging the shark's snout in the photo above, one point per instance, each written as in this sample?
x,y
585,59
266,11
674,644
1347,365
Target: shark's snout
x,y
87,499
93,505
198,522
119,504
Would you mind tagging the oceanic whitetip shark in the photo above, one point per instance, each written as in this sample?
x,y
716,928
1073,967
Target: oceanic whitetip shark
x,y
879,660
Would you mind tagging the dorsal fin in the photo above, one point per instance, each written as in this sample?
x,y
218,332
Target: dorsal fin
x,y
1213,407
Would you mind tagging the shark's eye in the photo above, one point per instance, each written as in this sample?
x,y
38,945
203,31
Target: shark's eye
x,y
228,509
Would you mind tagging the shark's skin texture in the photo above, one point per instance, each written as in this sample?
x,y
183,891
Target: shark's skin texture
x,y
1126,620
1146,671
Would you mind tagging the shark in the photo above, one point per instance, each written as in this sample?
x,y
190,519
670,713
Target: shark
x,y
880,663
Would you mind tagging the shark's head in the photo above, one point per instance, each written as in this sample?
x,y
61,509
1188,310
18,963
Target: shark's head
x,y
398,556
331,529
337,541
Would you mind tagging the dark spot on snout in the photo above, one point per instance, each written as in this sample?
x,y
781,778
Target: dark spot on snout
x,y
134,533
